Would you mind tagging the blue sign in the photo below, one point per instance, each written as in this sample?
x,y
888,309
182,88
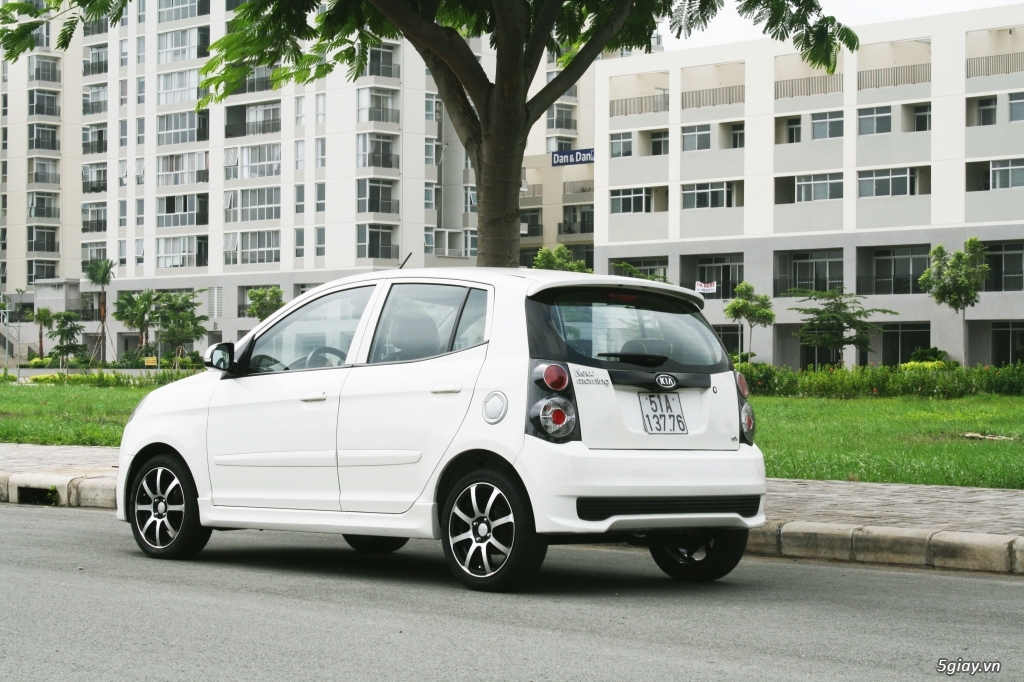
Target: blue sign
x,y
572,157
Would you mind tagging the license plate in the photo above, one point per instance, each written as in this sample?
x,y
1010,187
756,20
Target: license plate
x,y
661,413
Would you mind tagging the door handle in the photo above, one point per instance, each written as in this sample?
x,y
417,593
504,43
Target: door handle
x,y
314,396
446,387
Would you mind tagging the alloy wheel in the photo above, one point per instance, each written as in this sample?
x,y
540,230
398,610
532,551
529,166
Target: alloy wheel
x,y
159,507
481,528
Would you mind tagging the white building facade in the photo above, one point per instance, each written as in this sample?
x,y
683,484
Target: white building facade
x,y
740,162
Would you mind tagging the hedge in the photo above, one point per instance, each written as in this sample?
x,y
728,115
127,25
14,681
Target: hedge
x,y
924,379
112,379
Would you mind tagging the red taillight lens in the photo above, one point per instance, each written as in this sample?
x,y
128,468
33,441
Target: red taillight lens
x,y
555,377
557,416
741,383
747,423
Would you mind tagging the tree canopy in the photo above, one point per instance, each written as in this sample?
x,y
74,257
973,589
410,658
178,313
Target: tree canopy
x,y
839,321
264,302
750,307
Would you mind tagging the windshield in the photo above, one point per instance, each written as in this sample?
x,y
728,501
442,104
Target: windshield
x,y
622,329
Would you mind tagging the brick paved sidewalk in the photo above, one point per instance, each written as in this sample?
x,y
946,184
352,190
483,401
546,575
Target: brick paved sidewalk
x,y
979,510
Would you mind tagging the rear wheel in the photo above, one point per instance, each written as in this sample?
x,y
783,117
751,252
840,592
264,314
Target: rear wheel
x,y
164,512
700,555
488,532
375,544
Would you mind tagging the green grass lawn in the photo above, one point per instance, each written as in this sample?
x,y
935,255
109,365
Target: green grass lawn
x,y
891,440
894,440
65,415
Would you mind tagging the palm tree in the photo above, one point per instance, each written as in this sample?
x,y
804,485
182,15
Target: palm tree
x,y
179,324
100,273
44,318
137,311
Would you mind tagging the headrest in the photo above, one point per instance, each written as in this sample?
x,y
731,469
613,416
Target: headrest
x,y
414,333
648,346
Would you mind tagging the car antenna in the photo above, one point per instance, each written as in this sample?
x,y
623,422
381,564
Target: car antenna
x,y
405,261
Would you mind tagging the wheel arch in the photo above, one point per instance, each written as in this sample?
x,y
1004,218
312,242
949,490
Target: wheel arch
x,y
141,457
468,461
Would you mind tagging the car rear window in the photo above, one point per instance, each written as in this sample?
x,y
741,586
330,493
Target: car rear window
x,y
617,328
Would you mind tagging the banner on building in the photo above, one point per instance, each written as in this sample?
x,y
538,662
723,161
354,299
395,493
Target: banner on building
x,y
707,287
572,157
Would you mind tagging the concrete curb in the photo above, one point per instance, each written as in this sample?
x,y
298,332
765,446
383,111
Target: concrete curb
x,y
778,538
886,545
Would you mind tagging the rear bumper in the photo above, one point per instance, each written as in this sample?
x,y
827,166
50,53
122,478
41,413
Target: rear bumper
x,y
557,475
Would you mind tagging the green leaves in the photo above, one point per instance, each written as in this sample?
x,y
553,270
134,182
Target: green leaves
x,y
264,302
559,259
839,321
956,279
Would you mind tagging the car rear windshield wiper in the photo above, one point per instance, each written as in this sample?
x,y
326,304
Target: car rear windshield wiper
x,y
644,359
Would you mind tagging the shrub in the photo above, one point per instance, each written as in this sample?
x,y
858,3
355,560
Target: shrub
x,y
113,379
7,378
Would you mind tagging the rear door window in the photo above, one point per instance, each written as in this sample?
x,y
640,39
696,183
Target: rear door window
x,y
622,329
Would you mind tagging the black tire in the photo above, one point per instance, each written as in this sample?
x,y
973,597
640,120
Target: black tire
x,y
172,531
375,544
485,566
700,555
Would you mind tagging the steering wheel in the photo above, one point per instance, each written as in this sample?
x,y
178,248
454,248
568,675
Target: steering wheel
x,y
266,363
321,359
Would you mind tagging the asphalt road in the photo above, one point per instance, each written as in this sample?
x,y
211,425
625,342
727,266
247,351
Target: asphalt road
x,y
79,601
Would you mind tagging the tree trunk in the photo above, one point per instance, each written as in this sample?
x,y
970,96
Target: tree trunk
x,y
41,341
103,325
963,327
498,181
750,347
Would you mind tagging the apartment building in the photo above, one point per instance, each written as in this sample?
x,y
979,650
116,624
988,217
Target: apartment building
x,y
291,187
740,162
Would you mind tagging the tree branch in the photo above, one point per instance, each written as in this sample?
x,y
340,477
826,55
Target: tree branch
x,y
444,42
464,119
580,63
540,36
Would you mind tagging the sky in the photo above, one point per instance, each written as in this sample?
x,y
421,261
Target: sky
x,y
729,27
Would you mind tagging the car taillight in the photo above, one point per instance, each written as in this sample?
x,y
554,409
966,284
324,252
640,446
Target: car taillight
x,y
741,383
748,425
552,413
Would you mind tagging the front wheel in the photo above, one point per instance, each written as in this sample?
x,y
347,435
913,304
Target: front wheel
x,y
375,544
488,532
700,555
164,512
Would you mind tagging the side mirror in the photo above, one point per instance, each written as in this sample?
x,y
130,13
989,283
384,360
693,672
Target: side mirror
x,y
220,356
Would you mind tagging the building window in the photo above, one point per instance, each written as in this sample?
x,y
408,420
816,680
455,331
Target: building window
x,y
899,341
183,209
300,242
696,137
140,212
826,125
527,257
469,199
431,196
469,242
140,130
888,182
321,241
635,200
560,116
374,241
987,111
140,171
1005,267
922,118
897,271
321,197
321,152
1007,343
124,52
261,161
174,10
182,169
428,240
230,248
177,87
432,107
431,151
260,247
708,195
1006,174
123,132
140,251
182,252
182,45
300,198
792,130
659,143
140,50
141,4
725,271
122,252
374,196
577,219
815,270
123,92
648,267
122,212
321,108
44,239
731,336
530,218
140,90
300,154
622,144
739,135
260,204
41,269
559,144
182,127
874,121
819,187
300,111
1017,106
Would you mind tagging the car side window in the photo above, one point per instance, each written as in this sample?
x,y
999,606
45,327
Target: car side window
x,y
472,320
317,335
418,321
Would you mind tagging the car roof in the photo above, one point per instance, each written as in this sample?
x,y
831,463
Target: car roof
x,y
531,281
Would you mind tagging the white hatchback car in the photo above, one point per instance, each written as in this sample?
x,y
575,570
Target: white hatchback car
x,y
499,411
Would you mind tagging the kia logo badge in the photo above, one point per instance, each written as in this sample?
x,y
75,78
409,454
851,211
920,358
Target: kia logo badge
x,y
666,381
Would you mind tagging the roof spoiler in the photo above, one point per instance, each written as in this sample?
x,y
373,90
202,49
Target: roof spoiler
x,y
614,281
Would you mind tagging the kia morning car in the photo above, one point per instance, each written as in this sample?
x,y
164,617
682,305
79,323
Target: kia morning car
x,y
498,411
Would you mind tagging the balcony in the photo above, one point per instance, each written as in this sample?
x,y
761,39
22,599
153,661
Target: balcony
x,y
383,70
561,123
378,160
725,290
714,97
531,191
638,105
379,206
182,178
91,186
383,252
379,115
96,225
44,247
1008,280
894,76
94,147
270,125
784,285
43,212
43,178
94,68
258,84
95,27
43,143
575,228
97,107
577,186
995,65
532,230
888,286
43,110
44,75
88,314
805,87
